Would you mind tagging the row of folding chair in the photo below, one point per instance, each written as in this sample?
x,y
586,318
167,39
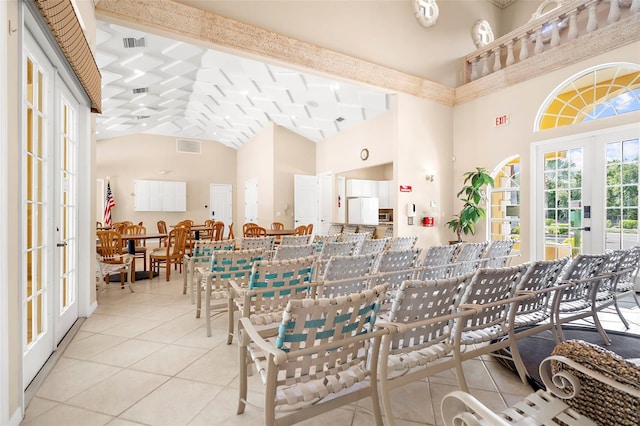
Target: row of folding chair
x,y
431,326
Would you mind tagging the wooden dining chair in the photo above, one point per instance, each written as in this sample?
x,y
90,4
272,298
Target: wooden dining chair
x,y
246,227
217,231
207,234
255,231
140,245
277,226
109,249
300,230
162,229
172,254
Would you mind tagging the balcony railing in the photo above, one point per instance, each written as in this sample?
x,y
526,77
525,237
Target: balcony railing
x,y
561,25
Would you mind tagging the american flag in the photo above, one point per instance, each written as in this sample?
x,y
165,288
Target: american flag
x,y
109,203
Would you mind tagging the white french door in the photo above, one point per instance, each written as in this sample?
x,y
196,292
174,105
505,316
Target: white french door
x,y
586,194
50,198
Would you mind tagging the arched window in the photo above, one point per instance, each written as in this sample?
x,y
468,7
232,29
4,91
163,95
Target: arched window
x,y
595,93
504,214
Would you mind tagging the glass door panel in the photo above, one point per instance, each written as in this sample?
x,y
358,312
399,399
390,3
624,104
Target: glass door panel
x,y
563,203
621,222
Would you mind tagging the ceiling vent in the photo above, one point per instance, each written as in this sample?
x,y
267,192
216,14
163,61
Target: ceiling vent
x,y
140,90
131,42
340,119
188,146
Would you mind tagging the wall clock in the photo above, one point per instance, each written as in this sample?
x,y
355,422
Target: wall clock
x,y
364,154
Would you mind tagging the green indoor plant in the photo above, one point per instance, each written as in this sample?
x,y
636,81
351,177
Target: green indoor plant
x,y
473,197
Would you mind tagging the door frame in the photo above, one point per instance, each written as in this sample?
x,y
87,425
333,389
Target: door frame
x,y
537,198
32,23
4,272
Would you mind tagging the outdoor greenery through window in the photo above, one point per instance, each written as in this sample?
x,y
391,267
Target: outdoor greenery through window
x,y
563,203
622,194
505,203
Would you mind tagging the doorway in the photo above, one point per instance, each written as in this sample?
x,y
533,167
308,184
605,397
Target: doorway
x,y
587,193
49,249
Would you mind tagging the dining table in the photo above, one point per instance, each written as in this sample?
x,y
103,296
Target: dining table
x,y
131,248
196,230
280,232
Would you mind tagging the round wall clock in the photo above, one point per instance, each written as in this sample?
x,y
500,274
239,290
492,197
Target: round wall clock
x,y
364,154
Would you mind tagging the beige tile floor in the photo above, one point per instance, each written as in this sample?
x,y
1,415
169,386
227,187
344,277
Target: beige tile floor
x,y
143,358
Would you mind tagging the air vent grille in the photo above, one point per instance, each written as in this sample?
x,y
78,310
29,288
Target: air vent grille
x,y
140,90
131,42
188,146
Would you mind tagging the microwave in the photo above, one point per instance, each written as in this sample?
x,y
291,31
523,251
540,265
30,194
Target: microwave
x,y
384,217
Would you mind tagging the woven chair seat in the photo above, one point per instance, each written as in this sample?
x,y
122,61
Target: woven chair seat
x,y
576,305
407,360
531,318
483,335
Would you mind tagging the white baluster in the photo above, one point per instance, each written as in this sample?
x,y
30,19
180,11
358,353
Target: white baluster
x,y
485,64
592,23
572,34
614,11
555,33
496,59
474,70
510,59
635,6
524,48
539,47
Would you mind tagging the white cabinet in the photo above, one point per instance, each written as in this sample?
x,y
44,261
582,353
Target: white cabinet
x,y
363,211
362,188
385,196
160,196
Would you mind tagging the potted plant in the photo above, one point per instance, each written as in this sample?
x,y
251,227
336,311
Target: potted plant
x,y
473,198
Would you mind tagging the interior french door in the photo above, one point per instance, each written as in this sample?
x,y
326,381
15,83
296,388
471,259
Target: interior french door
x,y
587,194
50,196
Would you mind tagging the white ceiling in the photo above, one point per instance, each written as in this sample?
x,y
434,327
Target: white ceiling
x,y
207,94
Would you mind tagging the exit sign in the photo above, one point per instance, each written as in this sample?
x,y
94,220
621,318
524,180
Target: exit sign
x,y
501,120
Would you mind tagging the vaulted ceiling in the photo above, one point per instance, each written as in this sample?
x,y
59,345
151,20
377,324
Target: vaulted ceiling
x,y
153,84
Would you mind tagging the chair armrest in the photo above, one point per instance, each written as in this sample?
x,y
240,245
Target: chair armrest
x,y
245,326
477,308
401,327
462,408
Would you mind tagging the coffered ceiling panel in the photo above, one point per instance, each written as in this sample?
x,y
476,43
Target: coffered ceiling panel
x,y
153,84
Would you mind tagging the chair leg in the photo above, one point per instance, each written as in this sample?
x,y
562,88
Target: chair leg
x,y
603,334
457,358
242,379
230,310
622,318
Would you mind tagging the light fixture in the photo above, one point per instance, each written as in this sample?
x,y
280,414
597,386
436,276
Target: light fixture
x,y
430,176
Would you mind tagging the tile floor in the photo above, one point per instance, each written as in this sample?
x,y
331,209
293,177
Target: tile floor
x,y
143,358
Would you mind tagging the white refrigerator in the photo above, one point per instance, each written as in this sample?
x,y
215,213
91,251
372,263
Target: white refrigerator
x,y
363,211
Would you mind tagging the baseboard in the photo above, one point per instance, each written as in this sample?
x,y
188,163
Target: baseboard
x,y
16,418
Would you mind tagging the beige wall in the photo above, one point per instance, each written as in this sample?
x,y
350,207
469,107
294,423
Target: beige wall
x,y
478,143
256,161
425,142
384,32
293,154
141,156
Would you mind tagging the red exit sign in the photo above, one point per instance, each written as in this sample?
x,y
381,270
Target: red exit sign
x,y
501,120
